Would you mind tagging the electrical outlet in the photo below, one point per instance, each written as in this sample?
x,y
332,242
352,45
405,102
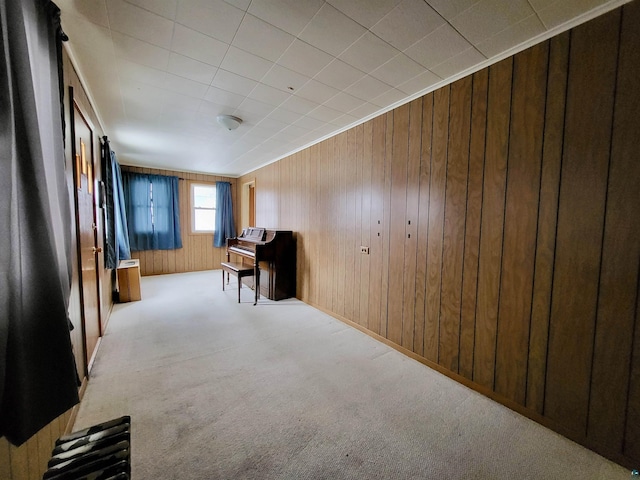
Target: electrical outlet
x,y
364,250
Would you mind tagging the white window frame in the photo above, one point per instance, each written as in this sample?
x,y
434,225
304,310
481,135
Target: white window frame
x,y
193,208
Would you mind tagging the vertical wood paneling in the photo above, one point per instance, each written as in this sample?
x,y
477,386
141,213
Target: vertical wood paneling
x,y
495,170
520,183
423,223
386,224
368,229
454,223
581,219
399,159
547,214
437,187
411,227
472,223
520,224
616,313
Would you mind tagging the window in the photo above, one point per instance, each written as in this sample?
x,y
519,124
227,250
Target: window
x,y
203,208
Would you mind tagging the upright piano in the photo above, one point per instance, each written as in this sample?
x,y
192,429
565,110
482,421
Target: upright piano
x,y
273,252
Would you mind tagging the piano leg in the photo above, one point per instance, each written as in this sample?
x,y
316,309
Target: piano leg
x,y
256,276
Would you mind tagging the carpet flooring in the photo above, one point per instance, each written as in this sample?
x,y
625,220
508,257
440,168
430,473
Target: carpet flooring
x,y
221,390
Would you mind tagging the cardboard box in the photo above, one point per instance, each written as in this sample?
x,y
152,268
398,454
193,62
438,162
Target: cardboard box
x,y
129,280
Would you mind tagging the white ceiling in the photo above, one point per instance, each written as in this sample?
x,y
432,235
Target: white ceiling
x,y
296,71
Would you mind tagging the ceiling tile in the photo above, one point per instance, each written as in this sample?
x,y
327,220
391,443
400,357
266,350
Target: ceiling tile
x,y
398,70
365,12
174,100
316,91
86,10
298,105
305,59
138,23
245,64
140,52
192,69
339,74
165,8
233,83
261,38
309,123
343,102
183,85
324,113
198,46
365,110
215,18
407,23
289,15
283,115
520,32
128,70
443,43
241,4
489,17
451,8
388,98
270,95
368,53
284,79
419,83
367,87
332,31
553,13
222,97
459,63
253,109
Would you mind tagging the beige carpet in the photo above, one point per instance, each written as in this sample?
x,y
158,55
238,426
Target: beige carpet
x,y
218,390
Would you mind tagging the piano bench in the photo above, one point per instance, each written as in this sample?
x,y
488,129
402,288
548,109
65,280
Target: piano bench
x,y
239,270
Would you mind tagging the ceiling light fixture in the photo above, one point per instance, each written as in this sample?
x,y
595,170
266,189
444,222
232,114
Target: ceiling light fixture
x,y
229,121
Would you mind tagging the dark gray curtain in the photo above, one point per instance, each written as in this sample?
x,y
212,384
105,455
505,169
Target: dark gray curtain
x,y
225,227
38,380
153,211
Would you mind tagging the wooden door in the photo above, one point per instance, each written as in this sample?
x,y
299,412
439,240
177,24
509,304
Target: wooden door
x,y
86,229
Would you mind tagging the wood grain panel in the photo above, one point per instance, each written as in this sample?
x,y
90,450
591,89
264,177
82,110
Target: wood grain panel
x,y
547,214
472,223
350,179
544,198
398,166
377,218
521,218
620,251
493,198
411,230
367,225
454,222
423,223
386,233
437,189
580,220
355,194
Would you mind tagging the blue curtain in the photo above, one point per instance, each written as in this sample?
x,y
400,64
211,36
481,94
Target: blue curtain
x,y
225,227
152,211
116,235
123,249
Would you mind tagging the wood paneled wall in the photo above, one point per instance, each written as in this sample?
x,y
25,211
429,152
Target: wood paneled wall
x,y
501,213
197,252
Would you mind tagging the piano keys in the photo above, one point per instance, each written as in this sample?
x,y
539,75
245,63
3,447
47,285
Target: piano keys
x,y
273,256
